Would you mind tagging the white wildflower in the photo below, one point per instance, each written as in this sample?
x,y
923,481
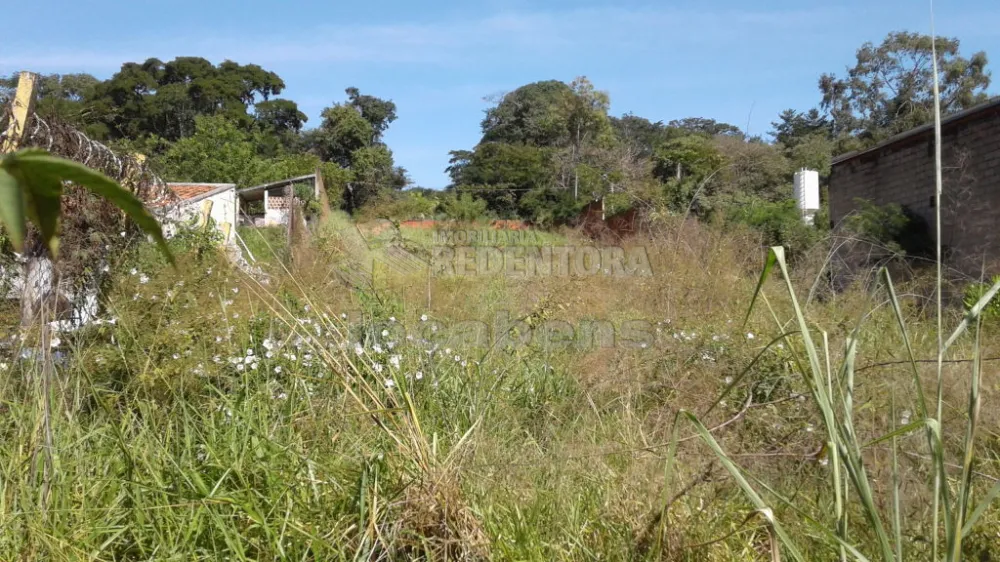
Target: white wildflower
x,y
750,335
419,375
143,279
394,361
277,370
423,317
389,383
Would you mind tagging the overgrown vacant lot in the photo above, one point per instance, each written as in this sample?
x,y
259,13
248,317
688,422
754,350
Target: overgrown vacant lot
x,y
210,416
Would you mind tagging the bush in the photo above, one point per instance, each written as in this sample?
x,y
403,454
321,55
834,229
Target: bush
x,y
400,206
895,227
975,291
548,207
780,223
464,207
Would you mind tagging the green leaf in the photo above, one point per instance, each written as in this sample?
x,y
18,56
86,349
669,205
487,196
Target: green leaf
x,y
41,191
12,209
41,162
772,258
748,490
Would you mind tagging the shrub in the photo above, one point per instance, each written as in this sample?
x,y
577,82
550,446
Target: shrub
x,y
400,206
548,207
893,226
975,291
464,207
779,222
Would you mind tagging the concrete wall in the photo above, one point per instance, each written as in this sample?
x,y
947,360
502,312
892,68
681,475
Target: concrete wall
x,y
275,217
902,172
225,210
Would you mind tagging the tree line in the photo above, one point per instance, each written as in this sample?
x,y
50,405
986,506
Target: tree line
x,y
197,121
547,148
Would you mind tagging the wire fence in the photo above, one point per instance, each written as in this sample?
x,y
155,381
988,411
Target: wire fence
x,y
129,170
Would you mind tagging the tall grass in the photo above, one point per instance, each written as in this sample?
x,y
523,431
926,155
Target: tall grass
x,y
831,384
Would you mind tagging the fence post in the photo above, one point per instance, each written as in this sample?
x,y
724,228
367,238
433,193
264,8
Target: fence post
x,y
22,107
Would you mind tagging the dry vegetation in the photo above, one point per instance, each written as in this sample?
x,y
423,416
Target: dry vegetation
x,y
222,418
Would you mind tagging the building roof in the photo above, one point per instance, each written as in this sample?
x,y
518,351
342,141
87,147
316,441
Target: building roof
x,y
191,192
257,191
970,114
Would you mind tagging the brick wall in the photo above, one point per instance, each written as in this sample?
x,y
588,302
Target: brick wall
x,y
902,171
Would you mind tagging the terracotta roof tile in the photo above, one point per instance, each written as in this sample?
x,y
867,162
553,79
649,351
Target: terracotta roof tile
x,y
185,191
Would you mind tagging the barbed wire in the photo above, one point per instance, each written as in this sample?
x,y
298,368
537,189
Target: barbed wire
x,y
63,140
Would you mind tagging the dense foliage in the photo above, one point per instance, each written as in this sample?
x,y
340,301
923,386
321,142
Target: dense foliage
x,y
222,123
547,148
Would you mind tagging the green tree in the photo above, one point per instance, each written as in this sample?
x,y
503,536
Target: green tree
x,y
372,172
792,127
889,89
217,152
588,127
463,207
691,156
58,96
163,99
279,121
377,112
342,132
641,135
534,114
279,116
705,126
501,173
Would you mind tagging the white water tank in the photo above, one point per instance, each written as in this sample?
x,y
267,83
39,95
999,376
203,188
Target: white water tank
x,y
806,193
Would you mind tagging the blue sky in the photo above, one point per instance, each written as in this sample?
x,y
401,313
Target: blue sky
x,y
735,61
